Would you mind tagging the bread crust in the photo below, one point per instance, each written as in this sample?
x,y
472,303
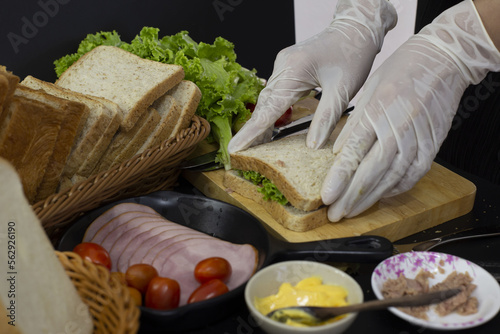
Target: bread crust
x,y
125,144
188,94
292,219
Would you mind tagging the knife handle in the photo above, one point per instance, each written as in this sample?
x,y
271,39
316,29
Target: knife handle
x,y
359,249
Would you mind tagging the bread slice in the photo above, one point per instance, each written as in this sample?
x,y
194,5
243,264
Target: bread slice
x,y
130,81
28,139
125,144
8,84
188,95
75,116
169,111
92,159
101,125
291,218
296,170
45,299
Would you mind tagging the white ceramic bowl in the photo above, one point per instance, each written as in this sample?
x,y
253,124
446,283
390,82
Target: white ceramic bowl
x,y
410,264
267,281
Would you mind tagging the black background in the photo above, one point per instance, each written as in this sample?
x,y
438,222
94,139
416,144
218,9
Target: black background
x,y
259,29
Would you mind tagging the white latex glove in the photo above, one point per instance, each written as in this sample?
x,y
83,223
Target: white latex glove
x,y
338,60
406,110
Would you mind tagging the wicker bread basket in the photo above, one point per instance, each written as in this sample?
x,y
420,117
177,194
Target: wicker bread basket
x,y
109,301
152,170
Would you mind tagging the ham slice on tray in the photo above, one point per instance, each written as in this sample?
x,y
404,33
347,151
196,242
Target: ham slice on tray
x,y
112,213
134,233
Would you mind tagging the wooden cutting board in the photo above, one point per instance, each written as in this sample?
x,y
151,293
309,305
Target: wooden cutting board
x,y
441,195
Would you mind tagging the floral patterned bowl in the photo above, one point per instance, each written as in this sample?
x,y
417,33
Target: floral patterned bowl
x,y
441,265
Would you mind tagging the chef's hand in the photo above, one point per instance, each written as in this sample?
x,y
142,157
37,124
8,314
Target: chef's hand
x,y
338,60
406,110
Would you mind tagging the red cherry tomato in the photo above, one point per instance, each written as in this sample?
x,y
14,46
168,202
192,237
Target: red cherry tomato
x,y
250,106
285,119
139,275
162,293
94,253
207,290
213,267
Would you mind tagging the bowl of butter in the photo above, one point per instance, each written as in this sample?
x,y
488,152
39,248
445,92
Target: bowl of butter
x,y
301,283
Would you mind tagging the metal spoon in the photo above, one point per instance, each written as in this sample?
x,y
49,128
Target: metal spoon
x,y
310,315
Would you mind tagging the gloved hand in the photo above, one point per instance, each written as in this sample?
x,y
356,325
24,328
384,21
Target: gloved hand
x,y
406,110
338,60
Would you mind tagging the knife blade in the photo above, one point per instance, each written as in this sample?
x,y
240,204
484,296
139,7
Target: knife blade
x,y
470,233
206,162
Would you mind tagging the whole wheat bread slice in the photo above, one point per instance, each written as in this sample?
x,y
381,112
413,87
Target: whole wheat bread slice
x,y
75,116
125,144
92,159
130,81
169,111
296,170
99,128
188,95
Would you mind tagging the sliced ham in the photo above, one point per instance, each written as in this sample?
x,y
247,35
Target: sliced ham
x,y
117,221
118,240
143,236
112,213
148,241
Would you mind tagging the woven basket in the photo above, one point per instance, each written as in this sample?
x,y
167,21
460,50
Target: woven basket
x,y
152,170
109,301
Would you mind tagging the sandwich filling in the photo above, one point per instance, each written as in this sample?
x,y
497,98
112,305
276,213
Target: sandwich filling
x,y
266,187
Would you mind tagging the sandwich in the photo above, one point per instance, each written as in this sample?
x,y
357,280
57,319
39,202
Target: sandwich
x,y
285,177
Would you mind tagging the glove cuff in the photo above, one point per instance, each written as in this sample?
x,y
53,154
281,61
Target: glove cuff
x,y
460,33
378,16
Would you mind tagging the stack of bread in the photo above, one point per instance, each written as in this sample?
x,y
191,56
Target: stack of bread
x,y
107,107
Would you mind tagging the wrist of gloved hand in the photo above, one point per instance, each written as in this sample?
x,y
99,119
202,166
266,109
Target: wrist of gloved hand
x,y
406,110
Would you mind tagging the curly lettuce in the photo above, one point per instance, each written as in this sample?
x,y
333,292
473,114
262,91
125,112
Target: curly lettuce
x,y
226,86
266,187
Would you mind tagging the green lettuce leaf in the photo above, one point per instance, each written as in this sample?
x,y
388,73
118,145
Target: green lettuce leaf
x,y
225,85
266,187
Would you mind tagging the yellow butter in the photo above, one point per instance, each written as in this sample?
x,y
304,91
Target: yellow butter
x,y
308,292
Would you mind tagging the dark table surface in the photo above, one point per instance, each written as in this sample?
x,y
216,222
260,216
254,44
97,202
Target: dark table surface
x,y
482,251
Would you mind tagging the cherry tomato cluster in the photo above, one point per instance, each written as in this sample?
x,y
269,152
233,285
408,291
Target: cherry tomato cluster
x,y
149,289
213,274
